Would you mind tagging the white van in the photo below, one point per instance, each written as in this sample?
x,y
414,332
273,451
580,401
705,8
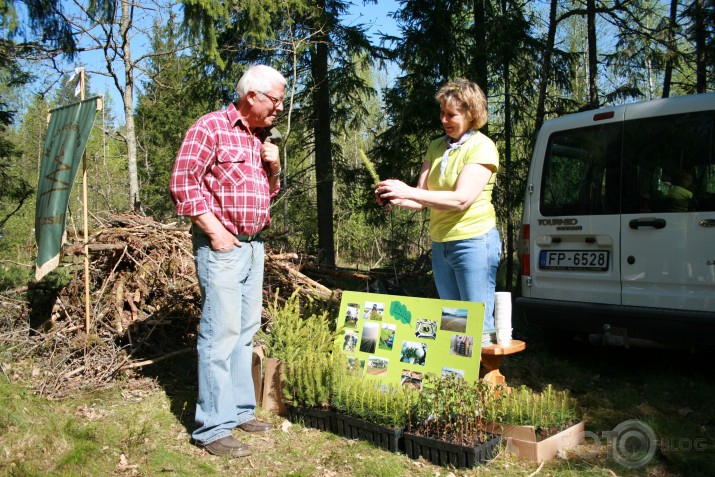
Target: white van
x,y
618,233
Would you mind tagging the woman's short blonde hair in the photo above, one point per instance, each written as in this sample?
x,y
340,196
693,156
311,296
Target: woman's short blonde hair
x,y
467,96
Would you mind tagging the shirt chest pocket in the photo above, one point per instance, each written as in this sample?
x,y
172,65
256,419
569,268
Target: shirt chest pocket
x,y
230,167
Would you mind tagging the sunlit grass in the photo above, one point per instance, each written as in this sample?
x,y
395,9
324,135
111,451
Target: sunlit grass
x,y
142,425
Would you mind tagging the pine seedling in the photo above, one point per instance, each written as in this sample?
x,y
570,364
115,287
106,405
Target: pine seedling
x,y
370,167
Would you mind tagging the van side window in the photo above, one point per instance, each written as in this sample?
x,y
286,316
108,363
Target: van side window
x,y
668,164
581,173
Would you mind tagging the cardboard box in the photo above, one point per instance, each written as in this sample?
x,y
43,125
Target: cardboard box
x,y
522,441
267,382
272,399
257,373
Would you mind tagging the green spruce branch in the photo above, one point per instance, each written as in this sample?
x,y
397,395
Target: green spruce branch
x,y
369,166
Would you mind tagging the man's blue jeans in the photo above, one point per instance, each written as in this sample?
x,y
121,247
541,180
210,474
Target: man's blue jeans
x,y
467,270
231,286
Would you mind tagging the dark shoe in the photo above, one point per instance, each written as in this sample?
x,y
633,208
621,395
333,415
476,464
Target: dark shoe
x,y
228,445
254,425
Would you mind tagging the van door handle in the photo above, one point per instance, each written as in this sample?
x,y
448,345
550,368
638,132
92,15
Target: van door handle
x,y
655,223
707,223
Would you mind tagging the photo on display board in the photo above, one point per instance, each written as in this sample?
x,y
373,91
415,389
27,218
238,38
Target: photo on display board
x,y
351,340
373,311
426,329
461,345
411,379
377,366
454,319
355,364
413,353
387,336
452,372
352,314
370,334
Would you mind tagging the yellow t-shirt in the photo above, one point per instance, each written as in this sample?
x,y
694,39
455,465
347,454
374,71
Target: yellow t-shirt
x,y
479,218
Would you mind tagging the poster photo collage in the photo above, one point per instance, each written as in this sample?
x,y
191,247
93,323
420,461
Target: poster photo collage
x,y
399,339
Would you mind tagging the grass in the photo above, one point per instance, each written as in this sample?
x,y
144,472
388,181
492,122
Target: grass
x,y
141,425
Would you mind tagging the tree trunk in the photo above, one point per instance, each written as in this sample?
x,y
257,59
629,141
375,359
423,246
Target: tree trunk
x,y
479,62
128,98
545,70
670,54
592,54
507,159
323,153
700,47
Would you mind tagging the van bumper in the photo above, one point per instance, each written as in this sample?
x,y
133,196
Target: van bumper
x,y
682,327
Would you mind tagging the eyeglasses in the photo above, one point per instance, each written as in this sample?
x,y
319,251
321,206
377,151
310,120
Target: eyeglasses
x,y
274,100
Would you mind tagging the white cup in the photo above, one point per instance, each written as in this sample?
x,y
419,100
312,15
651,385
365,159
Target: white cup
x,y
502,310
504,336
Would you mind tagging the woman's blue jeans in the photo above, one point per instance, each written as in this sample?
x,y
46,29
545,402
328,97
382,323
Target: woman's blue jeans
x,y
231,286
467,270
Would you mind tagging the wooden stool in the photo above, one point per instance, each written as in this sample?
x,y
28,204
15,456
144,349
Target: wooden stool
x,y
492,356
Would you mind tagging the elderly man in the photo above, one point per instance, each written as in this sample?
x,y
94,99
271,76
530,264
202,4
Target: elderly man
x,y
224,177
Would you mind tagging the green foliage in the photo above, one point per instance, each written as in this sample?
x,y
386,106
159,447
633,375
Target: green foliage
x,y
452,409
304,342
370,167
288,333
54,28
367,399
309,377
39,27
174,86
12,276
18,176
548,410
201,17
358,242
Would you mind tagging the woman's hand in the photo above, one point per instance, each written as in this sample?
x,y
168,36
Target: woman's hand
x,y
393,191
381,202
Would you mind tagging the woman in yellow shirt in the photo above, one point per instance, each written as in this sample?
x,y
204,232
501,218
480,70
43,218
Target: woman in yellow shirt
x,y
456,183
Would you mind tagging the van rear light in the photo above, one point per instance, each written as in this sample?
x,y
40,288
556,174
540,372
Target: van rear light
x,y
525,250
602,116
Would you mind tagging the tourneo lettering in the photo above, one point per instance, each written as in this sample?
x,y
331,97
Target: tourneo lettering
x,y
546,222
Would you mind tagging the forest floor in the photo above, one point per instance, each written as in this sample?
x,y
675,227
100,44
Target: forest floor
x,y
120,401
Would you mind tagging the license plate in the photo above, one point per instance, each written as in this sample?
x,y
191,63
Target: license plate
x,y
590,260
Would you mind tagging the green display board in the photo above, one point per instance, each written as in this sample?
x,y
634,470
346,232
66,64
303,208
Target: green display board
x,y
399,339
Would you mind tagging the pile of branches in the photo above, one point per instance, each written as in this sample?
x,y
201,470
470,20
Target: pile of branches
x,y
144,304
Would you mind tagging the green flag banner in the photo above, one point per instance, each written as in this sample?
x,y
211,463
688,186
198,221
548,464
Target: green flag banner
x,y
67,136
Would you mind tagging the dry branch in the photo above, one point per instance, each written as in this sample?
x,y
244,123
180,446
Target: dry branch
x,y
145,304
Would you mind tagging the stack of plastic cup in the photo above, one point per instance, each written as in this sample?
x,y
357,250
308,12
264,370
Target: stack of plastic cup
x,y
502,317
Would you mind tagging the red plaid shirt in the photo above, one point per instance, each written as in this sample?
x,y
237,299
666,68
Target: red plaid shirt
x,y
219,169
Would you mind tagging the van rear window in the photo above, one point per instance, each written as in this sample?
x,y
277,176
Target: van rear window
x,y
668,164
582,172
659,164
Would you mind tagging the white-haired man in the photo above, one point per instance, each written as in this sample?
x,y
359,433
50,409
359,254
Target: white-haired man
x,y
224,178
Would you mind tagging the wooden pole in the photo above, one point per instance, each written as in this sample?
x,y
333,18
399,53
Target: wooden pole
x,y
85,215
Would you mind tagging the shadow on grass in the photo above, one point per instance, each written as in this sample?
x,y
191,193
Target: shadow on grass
x,y
178,378
665,390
